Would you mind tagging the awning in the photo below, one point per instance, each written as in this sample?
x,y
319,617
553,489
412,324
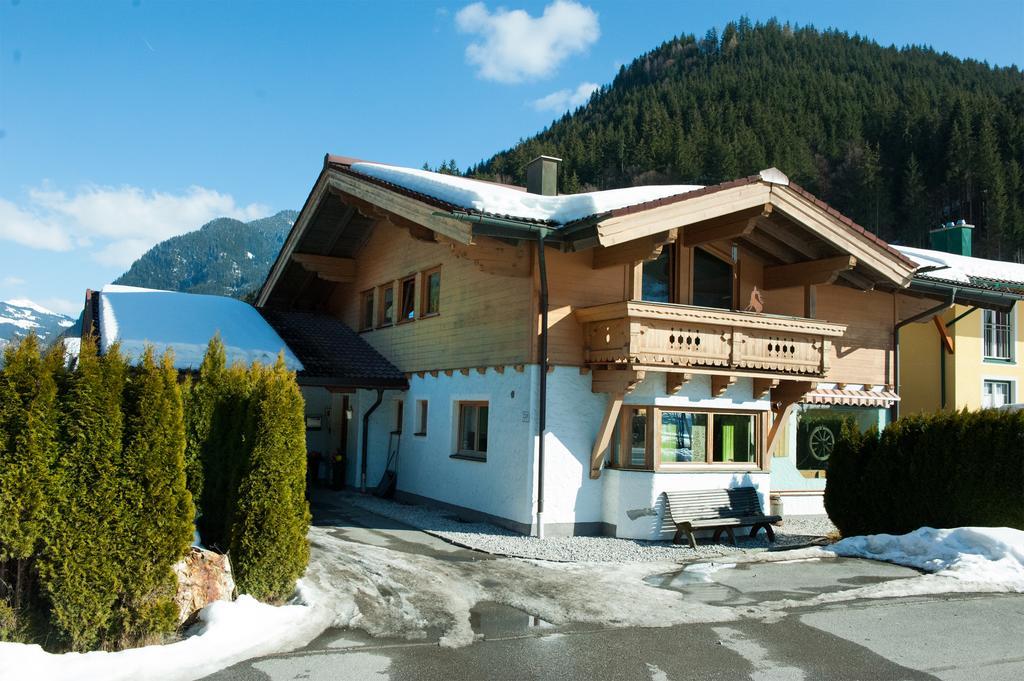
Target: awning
x,y
856,398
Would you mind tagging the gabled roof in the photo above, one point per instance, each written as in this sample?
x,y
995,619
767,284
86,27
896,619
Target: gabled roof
x,y
332,354
940,266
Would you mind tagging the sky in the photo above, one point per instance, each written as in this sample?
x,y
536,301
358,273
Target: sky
x,y
123,123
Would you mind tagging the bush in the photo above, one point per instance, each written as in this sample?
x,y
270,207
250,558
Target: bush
x,y
947,469
201,396
269,550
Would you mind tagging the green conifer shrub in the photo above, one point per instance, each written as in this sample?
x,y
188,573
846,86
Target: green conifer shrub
x,y
269,550
201,395
157,504
78,568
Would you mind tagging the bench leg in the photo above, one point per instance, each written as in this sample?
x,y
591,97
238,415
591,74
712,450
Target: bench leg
x,y
732,536
678,537
693,540
717,536
753,531
769,531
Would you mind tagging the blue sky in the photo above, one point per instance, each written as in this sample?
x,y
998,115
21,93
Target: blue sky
x,y
123,123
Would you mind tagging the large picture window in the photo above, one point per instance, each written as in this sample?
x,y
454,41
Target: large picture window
x,y
473,429
653,438
712,280
656,286
998,335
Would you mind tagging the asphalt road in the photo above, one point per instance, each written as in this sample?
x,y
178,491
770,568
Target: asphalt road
x,y
950,637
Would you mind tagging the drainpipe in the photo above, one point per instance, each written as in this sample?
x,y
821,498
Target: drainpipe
x,y
542,415
366,438
896,341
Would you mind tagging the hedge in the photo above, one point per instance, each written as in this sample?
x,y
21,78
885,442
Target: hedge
x,y
947,469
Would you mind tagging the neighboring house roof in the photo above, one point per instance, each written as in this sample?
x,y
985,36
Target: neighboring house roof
x,y
185,323
964,270
333,354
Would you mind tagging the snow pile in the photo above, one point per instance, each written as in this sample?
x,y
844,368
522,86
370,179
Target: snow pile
x,y
989,555
961,269
226,634
186,322
485,197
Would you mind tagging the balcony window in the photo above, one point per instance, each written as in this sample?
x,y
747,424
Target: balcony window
x,y
712,280
657,278
998,336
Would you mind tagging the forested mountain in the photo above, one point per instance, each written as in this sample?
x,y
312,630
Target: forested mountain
x,y
899,139
225,257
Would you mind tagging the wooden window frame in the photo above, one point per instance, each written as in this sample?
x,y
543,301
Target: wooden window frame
x,y
402,315
727,259
382,307
652,458
370,293
425,292
474,454
422,410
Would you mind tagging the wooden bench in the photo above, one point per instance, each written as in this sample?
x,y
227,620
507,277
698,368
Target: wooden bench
x,y
718,509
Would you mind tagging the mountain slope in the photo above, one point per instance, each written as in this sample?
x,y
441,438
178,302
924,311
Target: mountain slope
x,y
20,317
899,139
224,257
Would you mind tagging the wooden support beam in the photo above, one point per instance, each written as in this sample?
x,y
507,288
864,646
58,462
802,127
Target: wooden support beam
x,y
327,267
674,380
639,250
720,383
727,227
493,256
784,398
615,380
448,372
811,272
763,385
464,372
500,368
520,368
433,373
810,301
947,340
481,370
604,433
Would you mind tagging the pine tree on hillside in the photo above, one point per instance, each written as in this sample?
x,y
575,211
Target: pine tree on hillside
x,y
28,449
269,550
158,506
78,568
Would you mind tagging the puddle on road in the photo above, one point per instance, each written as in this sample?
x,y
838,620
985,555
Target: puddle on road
x,y
496,620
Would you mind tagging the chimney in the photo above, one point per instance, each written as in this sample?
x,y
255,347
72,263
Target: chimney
x,y
542,175
952,238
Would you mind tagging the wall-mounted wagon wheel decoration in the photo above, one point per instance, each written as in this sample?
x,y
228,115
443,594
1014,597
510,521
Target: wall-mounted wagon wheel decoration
x,y
822,442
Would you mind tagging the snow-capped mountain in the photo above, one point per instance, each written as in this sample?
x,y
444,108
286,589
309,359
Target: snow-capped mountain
x,y
19,317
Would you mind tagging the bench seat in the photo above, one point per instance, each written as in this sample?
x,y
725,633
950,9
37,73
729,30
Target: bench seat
x,y
718,509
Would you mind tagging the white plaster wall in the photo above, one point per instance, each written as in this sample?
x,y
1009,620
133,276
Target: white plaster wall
x,y
802,504
500,486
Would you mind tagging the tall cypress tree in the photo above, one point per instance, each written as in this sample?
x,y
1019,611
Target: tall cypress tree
x,y
78,569
201,396
158,506
269,550
28,431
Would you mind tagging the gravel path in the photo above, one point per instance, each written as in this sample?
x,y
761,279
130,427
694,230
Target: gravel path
x,y
481,536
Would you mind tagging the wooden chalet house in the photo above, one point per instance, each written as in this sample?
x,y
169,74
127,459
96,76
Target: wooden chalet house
x,y
570,358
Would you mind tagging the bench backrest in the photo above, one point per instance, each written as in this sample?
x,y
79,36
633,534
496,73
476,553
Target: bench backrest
x,y
708,504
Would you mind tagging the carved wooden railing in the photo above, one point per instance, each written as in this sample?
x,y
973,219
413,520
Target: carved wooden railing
x,y
643,334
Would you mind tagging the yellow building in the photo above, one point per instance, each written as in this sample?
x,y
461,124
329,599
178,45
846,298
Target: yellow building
x,y
969,354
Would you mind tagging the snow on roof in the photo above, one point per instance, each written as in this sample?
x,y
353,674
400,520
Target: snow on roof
x,y
495,199
962,269
185,322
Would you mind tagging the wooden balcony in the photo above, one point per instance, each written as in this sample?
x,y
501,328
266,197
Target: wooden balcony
x,y
643,335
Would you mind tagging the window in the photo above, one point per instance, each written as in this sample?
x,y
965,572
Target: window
x,y
421,417
712,280
657,278
998,335
473,429
366,315
408,288
996,394
399,415
658,438
387,306
431,304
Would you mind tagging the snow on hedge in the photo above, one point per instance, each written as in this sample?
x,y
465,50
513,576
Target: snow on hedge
x,y
227,633
991,555
186,322
495,199
961,268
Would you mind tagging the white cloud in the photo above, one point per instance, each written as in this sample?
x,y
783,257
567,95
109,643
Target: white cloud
x,y
12,281
513,46
63,306
563,100
117,223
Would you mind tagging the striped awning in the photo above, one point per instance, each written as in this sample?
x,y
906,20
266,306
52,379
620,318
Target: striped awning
x,y
857,398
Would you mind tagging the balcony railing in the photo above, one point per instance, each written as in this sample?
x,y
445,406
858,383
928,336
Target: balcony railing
x,y
643,334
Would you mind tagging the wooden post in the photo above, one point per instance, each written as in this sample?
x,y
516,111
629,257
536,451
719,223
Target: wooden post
x,y
604,433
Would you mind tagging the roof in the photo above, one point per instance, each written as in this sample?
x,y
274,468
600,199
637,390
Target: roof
x,y
858,398
965,270
185,323
332,354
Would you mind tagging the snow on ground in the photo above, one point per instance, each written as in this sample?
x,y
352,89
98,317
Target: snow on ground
x,y
496,199
227,633
482,536
186,322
